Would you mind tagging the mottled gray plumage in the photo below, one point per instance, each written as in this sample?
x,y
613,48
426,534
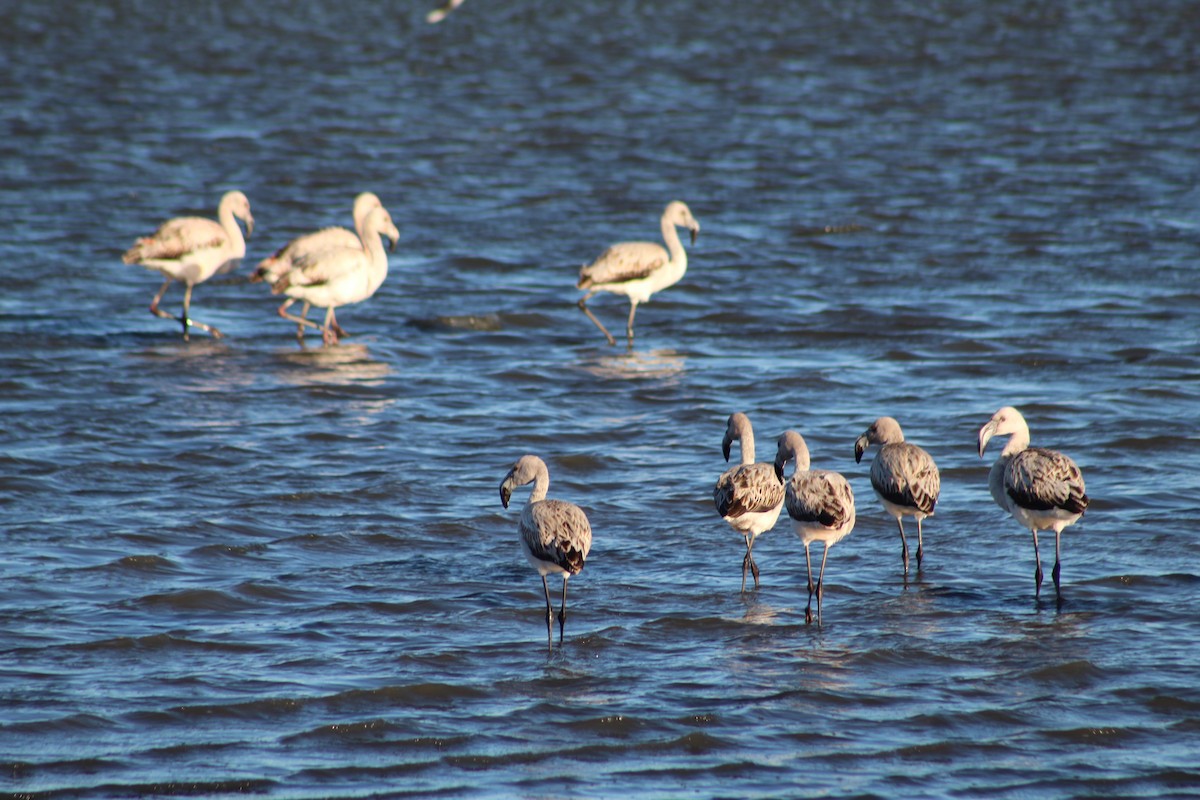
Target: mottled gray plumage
x,y
904,477
749,496
747,489
1042,489
820,503
555,535
820,499
1045,480
556,532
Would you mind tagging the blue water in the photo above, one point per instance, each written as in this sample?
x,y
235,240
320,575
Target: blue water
x,y
247,566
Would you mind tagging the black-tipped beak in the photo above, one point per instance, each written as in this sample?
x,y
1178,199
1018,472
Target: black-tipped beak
x,y
694,232
779,470
505,494
725,448
985,436
860,447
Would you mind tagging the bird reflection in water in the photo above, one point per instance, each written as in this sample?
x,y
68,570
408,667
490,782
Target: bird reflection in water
x,y
663,363
341,365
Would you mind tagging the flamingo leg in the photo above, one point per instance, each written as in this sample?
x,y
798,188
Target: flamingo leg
x,y
1037,575
154,309
821,582
300,320
303,313
808,616
583,307
186,320
549,616
629,325
327,332
748,563
903,544
338,329
1057,565
562,612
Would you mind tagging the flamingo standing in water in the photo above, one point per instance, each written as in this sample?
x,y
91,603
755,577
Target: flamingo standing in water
x,y
192,250
555,534
338,276
639,269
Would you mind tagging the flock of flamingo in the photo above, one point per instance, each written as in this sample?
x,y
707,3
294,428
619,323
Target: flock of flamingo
x,y
1042,489
328,268
335,267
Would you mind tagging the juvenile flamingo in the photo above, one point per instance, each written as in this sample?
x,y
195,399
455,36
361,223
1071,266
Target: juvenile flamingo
x,y
1042,489
555,534
748,496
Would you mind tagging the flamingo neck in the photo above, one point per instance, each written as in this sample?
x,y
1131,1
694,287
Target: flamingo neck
x,y
1017,442
233,232
747,447
541,485
670,235
373,246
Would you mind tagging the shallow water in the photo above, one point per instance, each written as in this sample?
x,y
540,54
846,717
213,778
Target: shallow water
x,y
243,566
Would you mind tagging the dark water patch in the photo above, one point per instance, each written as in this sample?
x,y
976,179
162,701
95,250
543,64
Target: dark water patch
x,y
615,725
193,600
1074,674
222,551
418,695
1095,736
63,725
1169,704
467,322
271,593
947,752
145,564
178,752
1162,782
44,770
164,642
1159,445
262,710
375,732
248,786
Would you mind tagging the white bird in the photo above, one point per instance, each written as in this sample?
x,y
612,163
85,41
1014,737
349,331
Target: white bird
x,y
748,496
192,250
639,269
441,12
1042,489
338,276
820,504
279,263
555,534
903,476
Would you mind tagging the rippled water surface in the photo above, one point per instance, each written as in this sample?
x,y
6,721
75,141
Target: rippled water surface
x,y
245,566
